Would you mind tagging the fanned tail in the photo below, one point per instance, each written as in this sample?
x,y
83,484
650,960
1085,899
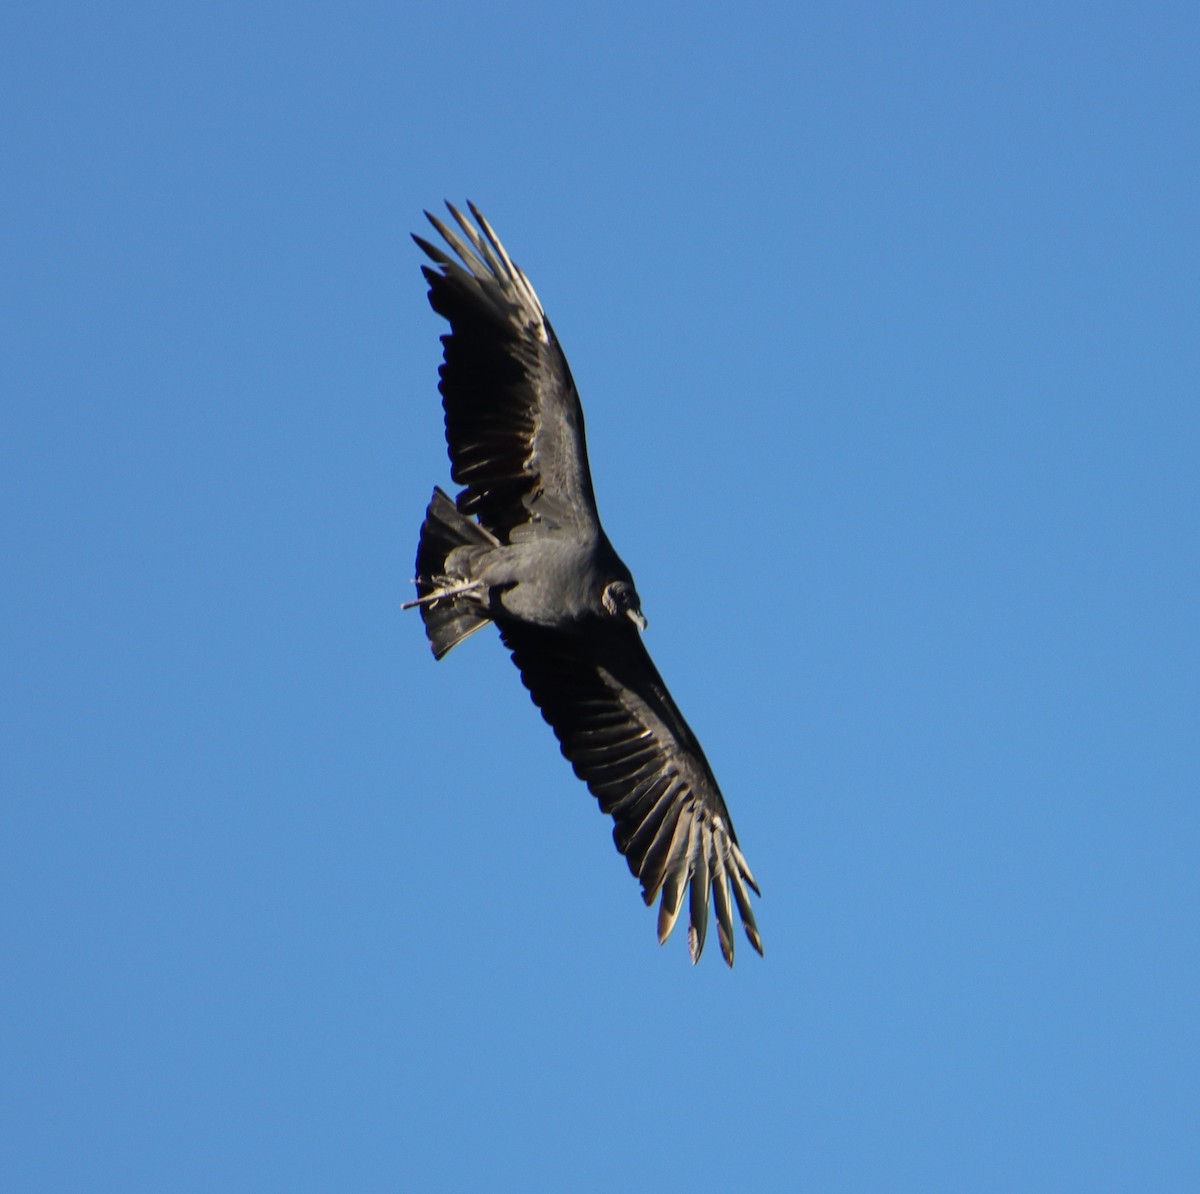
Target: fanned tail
x,y
448,620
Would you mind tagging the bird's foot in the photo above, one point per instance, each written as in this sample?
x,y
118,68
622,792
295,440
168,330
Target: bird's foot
x,y
446,590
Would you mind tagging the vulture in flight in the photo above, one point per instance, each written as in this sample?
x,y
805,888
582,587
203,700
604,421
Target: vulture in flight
x,y
522,546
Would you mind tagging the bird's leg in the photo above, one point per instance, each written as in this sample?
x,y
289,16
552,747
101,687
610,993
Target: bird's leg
x,y
449,590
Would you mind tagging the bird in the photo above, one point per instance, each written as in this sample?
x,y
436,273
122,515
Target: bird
x,y
521,546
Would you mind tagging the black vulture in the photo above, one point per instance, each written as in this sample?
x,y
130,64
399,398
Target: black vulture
x,y
522,546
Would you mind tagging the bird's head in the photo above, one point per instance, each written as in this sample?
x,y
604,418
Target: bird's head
x,y
621,601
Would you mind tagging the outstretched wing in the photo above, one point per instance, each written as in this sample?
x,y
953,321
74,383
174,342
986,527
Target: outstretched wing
x,y
514,425
624,735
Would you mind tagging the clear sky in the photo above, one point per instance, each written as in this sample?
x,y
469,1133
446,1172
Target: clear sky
x,y
885,321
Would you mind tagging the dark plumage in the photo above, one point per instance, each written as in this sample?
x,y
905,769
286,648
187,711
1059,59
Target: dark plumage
x,y
522,546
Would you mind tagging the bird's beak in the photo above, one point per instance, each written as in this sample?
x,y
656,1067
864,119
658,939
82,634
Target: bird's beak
x,y
637,618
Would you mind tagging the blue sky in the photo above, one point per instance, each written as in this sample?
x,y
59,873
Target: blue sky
x,y
884,318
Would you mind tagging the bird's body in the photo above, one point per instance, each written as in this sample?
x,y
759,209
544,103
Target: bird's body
x,y
549,588
522,546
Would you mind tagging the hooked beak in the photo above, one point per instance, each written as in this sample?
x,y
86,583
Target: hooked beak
x,y
637,618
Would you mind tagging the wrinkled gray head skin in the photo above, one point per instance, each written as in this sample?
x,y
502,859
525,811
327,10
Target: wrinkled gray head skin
x,y
521,546
621,600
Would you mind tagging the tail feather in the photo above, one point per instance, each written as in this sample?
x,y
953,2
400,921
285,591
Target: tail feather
x,y
450,619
